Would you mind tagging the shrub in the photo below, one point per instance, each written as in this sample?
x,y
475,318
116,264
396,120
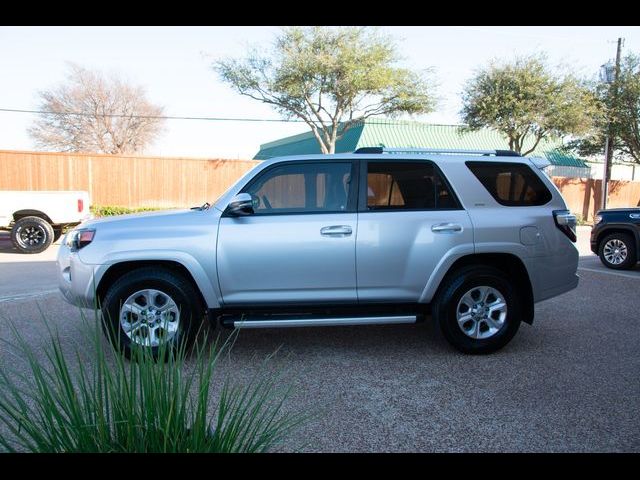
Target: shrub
x,y
93,400
109,210
581,221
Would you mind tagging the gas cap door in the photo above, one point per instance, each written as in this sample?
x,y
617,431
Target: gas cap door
x,y
530,236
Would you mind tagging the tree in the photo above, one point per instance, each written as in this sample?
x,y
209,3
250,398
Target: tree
x,y
525,100
619,115
92,113
331,78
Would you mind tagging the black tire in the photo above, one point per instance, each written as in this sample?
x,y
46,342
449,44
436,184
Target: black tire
x,y
32,235
172,284
455,287
628,242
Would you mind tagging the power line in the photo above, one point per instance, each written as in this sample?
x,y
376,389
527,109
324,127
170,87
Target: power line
x,y
216,119
158,117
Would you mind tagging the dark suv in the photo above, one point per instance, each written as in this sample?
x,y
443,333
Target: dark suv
x,y
615,237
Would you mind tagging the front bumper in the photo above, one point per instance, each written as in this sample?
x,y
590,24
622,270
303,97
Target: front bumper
x,y
76,279
593,239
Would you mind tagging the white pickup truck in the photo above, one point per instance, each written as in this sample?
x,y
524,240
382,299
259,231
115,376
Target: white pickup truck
x,y
36,219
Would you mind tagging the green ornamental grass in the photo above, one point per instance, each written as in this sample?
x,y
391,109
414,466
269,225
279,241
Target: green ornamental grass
x,y
91,399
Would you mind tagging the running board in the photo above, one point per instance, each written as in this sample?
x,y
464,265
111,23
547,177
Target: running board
x,y
323,322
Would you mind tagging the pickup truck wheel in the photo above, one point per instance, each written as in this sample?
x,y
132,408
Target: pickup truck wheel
x,y
151,308
478,310
618,251
31,235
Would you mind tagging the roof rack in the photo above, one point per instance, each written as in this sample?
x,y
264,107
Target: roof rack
x,y
497,153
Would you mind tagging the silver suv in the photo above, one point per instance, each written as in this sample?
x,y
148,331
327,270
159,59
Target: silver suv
x,y
471,238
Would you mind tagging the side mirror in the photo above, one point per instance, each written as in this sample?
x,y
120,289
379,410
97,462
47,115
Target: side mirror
x,y
241,204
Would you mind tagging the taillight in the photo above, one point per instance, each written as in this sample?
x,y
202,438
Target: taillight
x,y
566,222
80,205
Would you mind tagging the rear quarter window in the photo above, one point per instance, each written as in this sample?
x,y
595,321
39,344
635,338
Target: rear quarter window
x,y
511,184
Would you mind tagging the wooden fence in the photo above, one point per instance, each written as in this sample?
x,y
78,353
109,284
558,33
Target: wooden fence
x,y
131,181
584,195
136,181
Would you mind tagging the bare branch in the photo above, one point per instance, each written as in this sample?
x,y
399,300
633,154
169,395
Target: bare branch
x,y
110,116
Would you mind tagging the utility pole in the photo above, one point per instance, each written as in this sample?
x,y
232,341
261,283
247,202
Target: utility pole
x,y
608,152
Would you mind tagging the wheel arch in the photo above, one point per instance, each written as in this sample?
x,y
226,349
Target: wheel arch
x,y
17,215
619,228
510,264
116,270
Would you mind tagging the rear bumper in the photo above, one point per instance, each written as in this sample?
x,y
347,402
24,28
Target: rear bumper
x,y
558,290
554,275
88,216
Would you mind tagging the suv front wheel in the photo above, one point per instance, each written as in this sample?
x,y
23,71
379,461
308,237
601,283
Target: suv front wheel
x,y
477,310
151,308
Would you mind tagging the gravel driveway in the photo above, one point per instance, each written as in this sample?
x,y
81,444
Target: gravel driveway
x,y
569,383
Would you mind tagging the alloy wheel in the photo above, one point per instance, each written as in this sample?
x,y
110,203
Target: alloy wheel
x,y
615,251
481,312
149,317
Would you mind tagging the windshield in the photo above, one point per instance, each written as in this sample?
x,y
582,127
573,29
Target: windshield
x,y
221,202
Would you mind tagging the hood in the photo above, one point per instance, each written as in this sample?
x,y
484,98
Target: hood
x,y
147,219
620,210
137,236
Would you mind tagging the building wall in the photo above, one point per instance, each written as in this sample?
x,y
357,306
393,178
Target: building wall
x,y
596,170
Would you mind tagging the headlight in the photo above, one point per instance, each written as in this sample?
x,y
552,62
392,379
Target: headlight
x,y
77,239
597,219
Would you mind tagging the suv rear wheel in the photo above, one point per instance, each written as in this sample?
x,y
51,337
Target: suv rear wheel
x,y
617,251
478,310
152,308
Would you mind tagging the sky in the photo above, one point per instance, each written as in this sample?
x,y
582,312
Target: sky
x,y
173,64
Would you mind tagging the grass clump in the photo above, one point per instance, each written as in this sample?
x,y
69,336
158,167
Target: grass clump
x,y
92,399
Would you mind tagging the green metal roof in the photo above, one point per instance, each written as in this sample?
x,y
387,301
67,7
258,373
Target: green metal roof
x,y
405,134
305,143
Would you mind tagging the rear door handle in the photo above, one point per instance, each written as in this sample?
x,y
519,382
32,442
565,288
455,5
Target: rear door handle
x,y
446,228
336,231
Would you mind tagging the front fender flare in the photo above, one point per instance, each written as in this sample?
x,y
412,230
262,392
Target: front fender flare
x,y
206,284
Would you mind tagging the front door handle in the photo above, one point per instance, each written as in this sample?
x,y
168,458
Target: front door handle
x,y
446,228
336,231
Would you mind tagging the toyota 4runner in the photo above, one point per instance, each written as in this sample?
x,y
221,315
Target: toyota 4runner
x,y
471,238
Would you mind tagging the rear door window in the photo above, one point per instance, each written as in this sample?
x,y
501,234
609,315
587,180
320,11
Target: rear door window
x,y
511,184
406,186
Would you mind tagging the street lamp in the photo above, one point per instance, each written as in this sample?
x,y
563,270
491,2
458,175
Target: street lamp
x,y
607,72
607,75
